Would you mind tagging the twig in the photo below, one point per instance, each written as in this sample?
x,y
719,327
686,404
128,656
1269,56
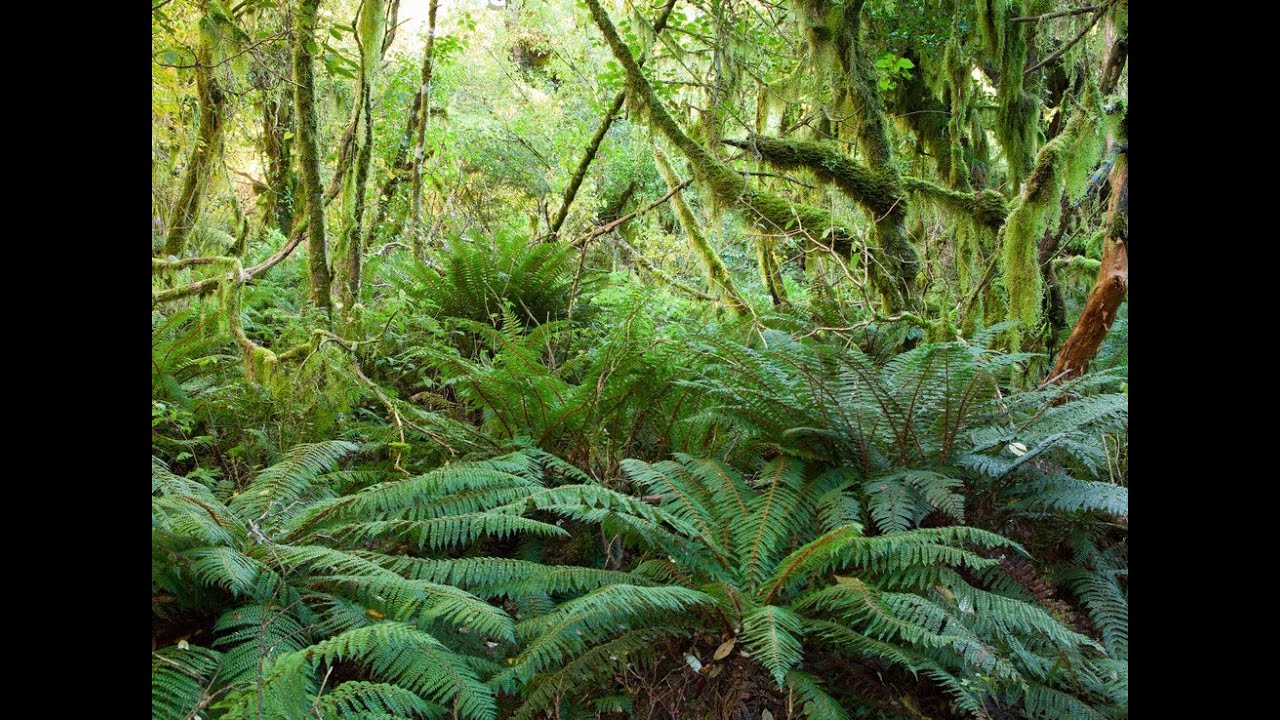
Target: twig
x,y
1059,13
1059,52
630,216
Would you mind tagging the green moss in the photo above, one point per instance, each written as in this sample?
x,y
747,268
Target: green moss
x,y
718,277
769,212
769,273
969,271
993,18
878,192
986,207
1039,207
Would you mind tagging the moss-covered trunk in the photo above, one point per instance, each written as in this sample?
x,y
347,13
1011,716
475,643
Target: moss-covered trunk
x,y
423,107
836,36
349,250
277,126
304,95
213,99
768,212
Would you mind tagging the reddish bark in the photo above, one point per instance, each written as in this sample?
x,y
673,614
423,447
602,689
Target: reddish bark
x,y
1111,287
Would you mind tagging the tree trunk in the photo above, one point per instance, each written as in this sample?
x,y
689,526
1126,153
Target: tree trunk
x,y
277,122
1112,284
213,107
419,134
370,30
304,26
718,277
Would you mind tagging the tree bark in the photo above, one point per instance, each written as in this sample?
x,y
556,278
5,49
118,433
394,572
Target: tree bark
x,y
304,26
1111,287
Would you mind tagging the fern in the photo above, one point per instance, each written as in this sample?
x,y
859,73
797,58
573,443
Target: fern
x,y
180,680
772,635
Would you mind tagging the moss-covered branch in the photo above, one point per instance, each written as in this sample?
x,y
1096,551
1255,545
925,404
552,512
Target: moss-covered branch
x,y
1062,165
770,213
593,147
208,285
718,277
985,207
877,192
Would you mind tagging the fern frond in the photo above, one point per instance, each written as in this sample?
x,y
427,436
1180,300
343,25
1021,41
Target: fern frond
x,y
772,633
180,678
817,703
596,616
285,482
1063,492
361,699
495,577
250,633
411,659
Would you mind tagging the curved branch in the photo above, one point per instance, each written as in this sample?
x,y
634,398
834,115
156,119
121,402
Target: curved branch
x,y
986,207
208,285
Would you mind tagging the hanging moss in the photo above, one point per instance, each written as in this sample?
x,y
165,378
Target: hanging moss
x,y
917,109
770,213
969,272
960,89
770,274
1058,165
1018,111
718,277
895,263
993,18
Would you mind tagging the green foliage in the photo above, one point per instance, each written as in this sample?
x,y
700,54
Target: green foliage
x,y
291,605
516,481
179,679
478,278
891,67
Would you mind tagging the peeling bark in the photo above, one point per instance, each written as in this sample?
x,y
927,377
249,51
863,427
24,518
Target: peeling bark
x,y
1112,284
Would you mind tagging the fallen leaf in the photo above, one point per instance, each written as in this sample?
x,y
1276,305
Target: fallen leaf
x,y
725,648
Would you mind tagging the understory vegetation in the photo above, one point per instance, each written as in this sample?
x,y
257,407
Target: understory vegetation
x,y
672,359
